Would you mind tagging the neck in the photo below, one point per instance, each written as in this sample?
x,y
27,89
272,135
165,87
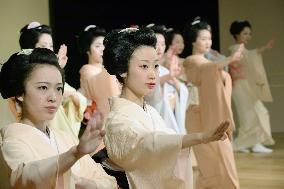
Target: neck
x,y
195,52
93,62
130,95
41,125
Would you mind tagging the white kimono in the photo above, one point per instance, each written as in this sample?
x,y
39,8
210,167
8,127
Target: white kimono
x,y
174,119
151,154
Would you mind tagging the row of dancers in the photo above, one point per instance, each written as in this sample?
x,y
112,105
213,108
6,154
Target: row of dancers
x,y
128,70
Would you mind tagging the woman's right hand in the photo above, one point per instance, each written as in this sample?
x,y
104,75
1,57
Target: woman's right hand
x,y
269,44
217,134
237,55
92,136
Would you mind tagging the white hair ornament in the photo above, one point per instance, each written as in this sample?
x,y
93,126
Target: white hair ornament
x,y
33,25
25,52
89,27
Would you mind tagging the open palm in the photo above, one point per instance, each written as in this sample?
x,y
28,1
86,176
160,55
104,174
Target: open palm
x,y
92,136
217,134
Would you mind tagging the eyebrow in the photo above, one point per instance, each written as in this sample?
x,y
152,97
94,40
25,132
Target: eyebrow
x,y
43,82
156,60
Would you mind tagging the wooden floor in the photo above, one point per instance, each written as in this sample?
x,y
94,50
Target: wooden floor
x,y
262,171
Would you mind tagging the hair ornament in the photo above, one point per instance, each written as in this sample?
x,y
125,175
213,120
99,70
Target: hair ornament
x,y
25,51
169,29
33,25
89,27
195,22
150,25
128,30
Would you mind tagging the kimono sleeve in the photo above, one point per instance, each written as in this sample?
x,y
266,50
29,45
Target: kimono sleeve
x,y
24,171
133,147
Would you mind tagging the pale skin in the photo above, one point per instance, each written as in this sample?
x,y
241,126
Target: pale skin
x,y
203,44
42,97
143,69
169,60
45,41
245,36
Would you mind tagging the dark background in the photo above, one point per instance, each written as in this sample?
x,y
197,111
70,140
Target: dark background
x,y
69,17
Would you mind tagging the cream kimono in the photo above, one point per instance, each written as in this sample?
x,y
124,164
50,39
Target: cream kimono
x,y
216,159
249,90
151,154
30,157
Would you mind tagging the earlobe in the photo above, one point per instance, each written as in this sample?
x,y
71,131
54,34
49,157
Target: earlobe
x,y
123,75
20,98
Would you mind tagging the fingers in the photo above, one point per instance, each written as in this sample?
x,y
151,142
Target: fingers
x,y
98,116
223,127
87,131
102,133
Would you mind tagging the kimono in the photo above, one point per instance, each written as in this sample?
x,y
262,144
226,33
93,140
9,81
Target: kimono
x,y
162,99
215,160
98,85
250,88
151,154
28,157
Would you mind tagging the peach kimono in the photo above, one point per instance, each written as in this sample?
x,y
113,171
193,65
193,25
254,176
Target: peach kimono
x,y
149,152
98,85
249,90
215,160
28,161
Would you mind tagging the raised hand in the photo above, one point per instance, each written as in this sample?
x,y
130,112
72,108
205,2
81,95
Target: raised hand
x,y
62,56
237,56
92,136
269,44
217,134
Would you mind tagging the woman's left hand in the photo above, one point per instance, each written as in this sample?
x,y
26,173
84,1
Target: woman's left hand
x,y
92,136
62,56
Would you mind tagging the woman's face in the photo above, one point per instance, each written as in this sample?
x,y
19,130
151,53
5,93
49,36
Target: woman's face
x,y
143,71
203,42
45,41
160,45
43,93
244,36
177,44
96,50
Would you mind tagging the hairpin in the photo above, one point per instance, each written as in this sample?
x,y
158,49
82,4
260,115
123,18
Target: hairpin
x,y
169,29
33,25
128,30
195,22
150,25
89,27
25,52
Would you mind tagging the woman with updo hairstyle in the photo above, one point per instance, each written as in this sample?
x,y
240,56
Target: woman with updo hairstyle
x,y
216,163
137,138
70,114
34,155
96,84
31,36
250,90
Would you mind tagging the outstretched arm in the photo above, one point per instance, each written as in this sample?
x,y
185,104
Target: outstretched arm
x,y
268,46
206,137
235,57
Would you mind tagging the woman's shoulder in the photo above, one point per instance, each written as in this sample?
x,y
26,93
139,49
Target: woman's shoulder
x,y
195,60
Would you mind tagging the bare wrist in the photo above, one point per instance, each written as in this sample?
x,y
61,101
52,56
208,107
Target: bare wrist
x,y
75,152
